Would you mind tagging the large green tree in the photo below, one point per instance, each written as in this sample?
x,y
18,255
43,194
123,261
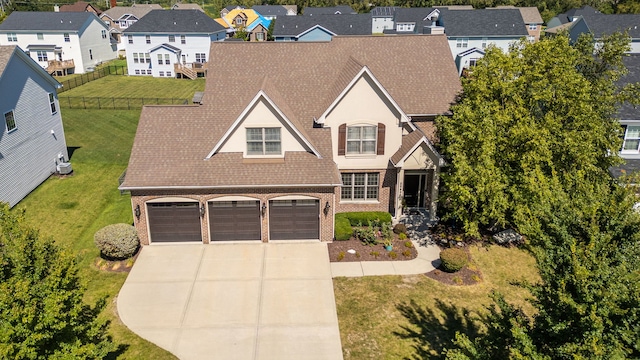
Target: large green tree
x,y
532,125
42,313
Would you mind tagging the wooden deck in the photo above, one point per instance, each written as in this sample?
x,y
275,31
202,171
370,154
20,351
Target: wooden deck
x,y
61,67
190,70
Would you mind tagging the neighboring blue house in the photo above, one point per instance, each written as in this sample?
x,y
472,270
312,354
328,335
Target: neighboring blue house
x,y
32,143
320,27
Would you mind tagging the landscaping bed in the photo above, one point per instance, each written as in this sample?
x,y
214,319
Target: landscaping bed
x,y
364,251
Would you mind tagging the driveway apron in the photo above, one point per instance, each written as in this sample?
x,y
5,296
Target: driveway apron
x,y
234,301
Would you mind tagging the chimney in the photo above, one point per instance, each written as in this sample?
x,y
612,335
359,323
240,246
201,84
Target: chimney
x,y
56,8
112,3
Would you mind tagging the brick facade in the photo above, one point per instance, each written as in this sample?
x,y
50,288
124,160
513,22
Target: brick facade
x,y
324,195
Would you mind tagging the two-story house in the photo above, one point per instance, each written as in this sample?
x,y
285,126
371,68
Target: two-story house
x,y
629,117
532,20
119,18
61,42
32,142
248,20
320,27
171,43
281,146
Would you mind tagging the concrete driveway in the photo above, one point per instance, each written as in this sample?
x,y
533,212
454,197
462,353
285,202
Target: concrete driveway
x,y
234,301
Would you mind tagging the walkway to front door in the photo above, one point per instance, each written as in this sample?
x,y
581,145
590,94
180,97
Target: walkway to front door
x,y
234,301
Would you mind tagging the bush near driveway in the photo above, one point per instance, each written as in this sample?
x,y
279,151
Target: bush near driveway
x,y
343,230
363,217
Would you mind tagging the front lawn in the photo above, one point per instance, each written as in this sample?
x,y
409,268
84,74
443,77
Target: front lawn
x,y
414,317
123,86
72,209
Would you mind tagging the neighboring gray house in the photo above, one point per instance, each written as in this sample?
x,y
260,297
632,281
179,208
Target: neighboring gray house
x,y
630,120
32,142
382,18
271,12
329,10
570,16
320,27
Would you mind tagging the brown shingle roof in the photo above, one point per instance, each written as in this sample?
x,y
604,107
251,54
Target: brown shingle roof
x,y
408,142
301,79
5,55
79,6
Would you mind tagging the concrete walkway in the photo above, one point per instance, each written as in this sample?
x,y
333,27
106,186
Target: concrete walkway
x,y
428,259
234,301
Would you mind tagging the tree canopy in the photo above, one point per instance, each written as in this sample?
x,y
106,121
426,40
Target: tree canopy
x,y
42,314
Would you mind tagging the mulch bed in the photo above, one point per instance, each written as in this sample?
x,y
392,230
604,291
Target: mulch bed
x,y
464,276
117,266
363,252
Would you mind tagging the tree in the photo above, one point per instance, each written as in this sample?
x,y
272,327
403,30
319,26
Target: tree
x,y
531,126
42,314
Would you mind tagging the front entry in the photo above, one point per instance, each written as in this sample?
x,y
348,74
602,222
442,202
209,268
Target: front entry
x,y
416,189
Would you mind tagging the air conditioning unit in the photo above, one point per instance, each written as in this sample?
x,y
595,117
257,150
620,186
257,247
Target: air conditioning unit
x,y
64,168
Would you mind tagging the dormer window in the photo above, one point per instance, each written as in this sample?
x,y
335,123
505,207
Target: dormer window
x,y
361,140
631,140
239,21
405,26
263,141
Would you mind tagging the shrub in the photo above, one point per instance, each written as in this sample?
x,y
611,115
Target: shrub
x,y
117,241
453,259
366,234
393,255
408,244
343,230
402,236
406,253
400,229
375,254
363,217
341,256
387,231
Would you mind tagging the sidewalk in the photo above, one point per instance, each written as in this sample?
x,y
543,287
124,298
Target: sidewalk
x,y
428,259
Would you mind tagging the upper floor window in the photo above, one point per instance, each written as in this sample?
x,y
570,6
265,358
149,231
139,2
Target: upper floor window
x,y
12,37
631,143
10,121
167,59
359,186
42,55
67,38
533,26
160,59
260,36
462,42
201,58
40,36
52,102
361,140
104,34
239,21
148,39
172,38
123,24
484,43
263,141
130,38
405,26
183,39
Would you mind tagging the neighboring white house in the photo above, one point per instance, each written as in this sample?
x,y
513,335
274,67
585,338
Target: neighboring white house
x,y
171,43
118,18
32,143
61,42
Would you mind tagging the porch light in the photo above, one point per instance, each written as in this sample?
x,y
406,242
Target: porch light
x,y
202,210
263,210
326,208
136,211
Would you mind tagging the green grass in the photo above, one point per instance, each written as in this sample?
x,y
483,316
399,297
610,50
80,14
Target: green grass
x,y
72,209
116,62
415,317
137,87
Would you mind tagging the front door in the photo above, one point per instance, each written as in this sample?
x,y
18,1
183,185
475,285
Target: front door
x,y
416,189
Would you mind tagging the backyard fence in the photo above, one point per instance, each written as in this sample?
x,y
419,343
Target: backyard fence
x,y
90,76
112,103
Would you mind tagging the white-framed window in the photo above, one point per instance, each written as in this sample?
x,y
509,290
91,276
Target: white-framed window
x,y
263,141
405,26
462,42
183,39
260,36
123,24
484,43
147,58
42,55
531,39
361,139
160,59
172,38
161,73
167,59
10,121
104,34
137,72
147,38
473,62
67,38
52,102
135,58
130,38
169,74
12,37
149,72
631,144
201,58
40,36
533,26
90,54
359,187
239,21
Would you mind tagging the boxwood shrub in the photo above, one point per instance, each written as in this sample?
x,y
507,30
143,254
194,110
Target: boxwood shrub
x,y
117,241
453,259
363,217
343,228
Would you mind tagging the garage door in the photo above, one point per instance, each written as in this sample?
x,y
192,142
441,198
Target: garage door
x,y
174,222
234,220
294,219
